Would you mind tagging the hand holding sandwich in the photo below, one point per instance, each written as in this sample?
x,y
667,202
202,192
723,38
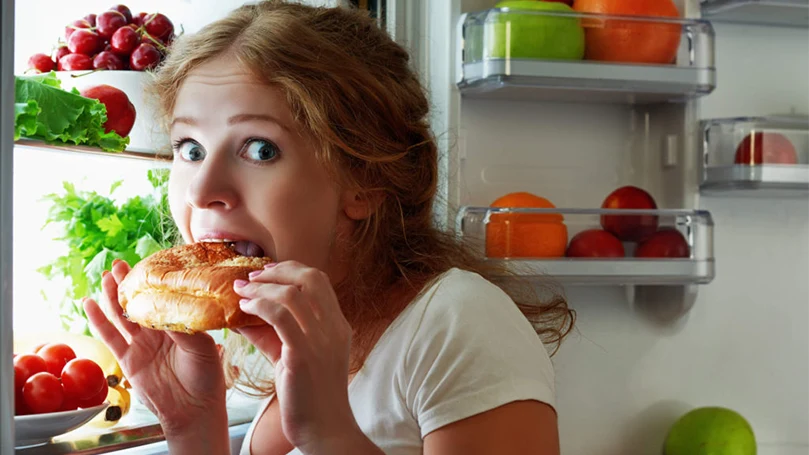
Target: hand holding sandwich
x,y
308,340
178,376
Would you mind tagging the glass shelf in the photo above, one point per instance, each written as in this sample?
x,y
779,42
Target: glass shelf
x,y
676,247
767,154
513,54
131,153
783,13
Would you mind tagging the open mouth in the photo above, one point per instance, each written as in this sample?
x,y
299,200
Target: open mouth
x,y
242,247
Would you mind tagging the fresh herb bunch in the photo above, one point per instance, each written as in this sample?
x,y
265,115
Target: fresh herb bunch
x,y
97,232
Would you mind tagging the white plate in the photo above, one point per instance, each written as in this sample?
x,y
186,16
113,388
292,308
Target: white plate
x,y
38,429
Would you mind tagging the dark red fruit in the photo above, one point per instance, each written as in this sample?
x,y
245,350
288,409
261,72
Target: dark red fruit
x,y
75,62
120,111
144,57
158,25
95,400
595,243
124,41
91,18
108,61
138,20
665,243
125,11
75,25
61,51
84,42
41,63
108,22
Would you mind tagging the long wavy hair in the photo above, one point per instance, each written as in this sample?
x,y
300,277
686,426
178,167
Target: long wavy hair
x,y
351,88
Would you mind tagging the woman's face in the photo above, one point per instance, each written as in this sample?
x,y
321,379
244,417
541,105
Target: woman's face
x,y
243,171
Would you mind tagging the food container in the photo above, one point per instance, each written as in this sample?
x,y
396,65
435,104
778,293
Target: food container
x,y
752,153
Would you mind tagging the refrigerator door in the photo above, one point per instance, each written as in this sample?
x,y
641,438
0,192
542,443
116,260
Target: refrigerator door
x,y
6,168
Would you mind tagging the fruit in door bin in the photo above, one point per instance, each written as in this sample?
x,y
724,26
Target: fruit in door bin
x,y
41,63
629,228
523,235
710,431
524,34
765,148
120,111
595,243
627,41
665,243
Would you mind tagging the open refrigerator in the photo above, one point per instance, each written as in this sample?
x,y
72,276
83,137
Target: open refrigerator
x,y
724,324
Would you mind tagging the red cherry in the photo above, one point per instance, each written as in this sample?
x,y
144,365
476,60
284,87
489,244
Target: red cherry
x,y
108,22
125,11
84,42
61,51
158,25
138,20
75,62
41,63
144,57
108,61
75,25
124,40
91,18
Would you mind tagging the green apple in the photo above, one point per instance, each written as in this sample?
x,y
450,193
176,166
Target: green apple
x,y
524,34
711,431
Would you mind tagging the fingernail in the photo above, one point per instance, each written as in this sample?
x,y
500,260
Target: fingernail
x,y
105,272
244,302
240,283
115,261
270,265
254,273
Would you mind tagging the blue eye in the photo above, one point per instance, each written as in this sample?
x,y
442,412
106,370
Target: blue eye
x,y
261,150
190,151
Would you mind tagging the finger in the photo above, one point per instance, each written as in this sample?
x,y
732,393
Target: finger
x,y
313,283
119,270
199,343
113,309
280,318
106,330
287,295
265,339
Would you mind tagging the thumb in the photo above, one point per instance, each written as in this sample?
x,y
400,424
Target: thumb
x,y
199,343
265,339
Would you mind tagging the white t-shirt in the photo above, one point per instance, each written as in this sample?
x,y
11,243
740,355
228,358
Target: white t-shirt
x,y
459,349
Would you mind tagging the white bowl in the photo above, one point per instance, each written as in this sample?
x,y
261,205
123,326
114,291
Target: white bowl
x,y
146,136
38,429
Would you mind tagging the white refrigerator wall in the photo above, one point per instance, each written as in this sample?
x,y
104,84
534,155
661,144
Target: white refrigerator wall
x,y
621,380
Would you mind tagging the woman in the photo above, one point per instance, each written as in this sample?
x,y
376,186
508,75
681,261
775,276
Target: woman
x,y
304,131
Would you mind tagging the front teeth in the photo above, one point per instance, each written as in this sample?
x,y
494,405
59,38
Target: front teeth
x,y
217,241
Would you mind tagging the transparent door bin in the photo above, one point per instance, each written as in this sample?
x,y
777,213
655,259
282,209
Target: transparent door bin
x,y
659,247
554,55
783,13
770,154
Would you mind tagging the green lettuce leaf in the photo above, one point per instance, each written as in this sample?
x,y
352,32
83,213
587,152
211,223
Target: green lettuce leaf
x,y
44,111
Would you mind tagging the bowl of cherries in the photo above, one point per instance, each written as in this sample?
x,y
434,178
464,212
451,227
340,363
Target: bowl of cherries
x,y
113,40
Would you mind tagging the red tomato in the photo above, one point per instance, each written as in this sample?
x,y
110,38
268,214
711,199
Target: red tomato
x,y
38,347
43,393
20,409
69,403
96,399
766,148
665,243
83,378
25,366
56,355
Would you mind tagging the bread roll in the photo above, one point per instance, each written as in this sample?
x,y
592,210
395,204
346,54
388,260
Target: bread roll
x,y
189,288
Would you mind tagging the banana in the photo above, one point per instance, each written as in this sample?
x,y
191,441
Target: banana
x,y
84,347
120,403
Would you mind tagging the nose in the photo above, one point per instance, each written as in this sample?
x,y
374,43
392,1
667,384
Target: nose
x,y
213,186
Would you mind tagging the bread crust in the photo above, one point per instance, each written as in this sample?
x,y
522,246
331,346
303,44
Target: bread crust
x,y
189,288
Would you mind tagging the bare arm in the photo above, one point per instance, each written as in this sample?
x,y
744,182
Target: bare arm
x,y
524,427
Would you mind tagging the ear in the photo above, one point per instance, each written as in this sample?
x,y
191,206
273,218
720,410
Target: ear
x,y
359,205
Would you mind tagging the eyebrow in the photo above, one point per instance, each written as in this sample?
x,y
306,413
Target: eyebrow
x,y
240,118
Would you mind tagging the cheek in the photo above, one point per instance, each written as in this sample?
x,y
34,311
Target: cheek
x,y
177,205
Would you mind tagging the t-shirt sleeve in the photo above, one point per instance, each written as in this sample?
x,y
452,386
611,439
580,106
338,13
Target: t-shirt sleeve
x,y
473,351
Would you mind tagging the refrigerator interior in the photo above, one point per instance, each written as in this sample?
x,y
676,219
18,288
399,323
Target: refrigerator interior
x,y
623,378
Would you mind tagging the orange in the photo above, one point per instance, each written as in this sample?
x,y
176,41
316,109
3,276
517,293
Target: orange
x,y
525,235
627,41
